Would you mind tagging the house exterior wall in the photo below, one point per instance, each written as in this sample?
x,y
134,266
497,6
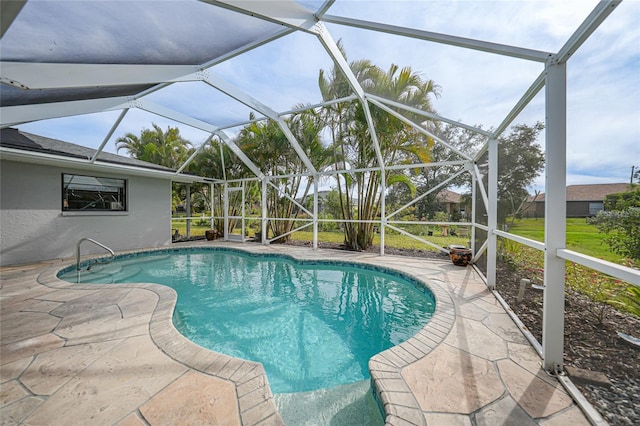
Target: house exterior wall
x,y
582,200
574,209
534,210
577,208
33,226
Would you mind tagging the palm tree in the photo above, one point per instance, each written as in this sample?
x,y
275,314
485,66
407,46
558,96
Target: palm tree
x,y
268,147
352,143
156,146
167,149
209,163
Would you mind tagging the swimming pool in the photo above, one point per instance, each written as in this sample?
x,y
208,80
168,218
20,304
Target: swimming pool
x,y
312,325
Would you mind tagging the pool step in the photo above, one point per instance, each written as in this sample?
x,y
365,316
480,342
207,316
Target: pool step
x,y
345,405
122,276
98,273
112,273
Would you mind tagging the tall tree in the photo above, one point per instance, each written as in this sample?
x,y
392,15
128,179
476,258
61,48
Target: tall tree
x,y
352,143
166,148
268,147
217,161
520,162
464,141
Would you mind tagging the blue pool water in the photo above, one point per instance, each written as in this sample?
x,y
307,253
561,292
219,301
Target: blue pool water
x,y
312,325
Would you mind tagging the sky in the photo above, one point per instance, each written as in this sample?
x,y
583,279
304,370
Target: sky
x,y
603,77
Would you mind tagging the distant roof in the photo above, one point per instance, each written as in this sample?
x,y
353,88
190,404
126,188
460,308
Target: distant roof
x,y
13,138
446,196
593,192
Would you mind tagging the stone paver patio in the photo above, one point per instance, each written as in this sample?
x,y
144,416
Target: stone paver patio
x,y
83,354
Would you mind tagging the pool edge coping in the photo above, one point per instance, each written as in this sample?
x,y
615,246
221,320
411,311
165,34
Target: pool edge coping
x,y
393,395
248,377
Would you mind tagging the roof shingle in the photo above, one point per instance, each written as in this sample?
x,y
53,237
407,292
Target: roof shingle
x,y
592,192
13,138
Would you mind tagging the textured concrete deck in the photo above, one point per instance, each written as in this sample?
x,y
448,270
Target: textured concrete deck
x,y
81,354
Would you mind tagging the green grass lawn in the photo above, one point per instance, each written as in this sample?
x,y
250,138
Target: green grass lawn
x,y
196,230
390,240
581,236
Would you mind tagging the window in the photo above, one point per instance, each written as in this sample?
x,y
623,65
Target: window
x,y
595,207
91,193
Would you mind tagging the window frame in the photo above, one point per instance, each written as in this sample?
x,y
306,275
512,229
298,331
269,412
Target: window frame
x,y
123,196
595,207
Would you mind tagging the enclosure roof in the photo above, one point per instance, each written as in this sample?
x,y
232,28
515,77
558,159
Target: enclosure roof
x,y
69,58
180,36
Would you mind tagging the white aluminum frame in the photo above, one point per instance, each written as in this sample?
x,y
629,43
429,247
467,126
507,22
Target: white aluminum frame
x,y
295,17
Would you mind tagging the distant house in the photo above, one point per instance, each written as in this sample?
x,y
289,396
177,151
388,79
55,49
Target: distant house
x,y
52,195
451,201
448,201
582,200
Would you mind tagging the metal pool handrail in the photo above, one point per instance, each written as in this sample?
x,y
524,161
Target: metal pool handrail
x,y
96,243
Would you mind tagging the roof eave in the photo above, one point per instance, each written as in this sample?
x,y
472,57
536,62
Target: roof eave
x,y
11,154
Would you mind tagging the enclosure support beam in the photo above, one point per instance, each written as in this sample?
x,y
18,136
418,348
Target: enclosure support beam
x,y
18,114
239,153
197,124
467,43
226,211
528,96
188,209
43,75
492,213
340,61
555,215
244,231
263,221
212,220
106,138
431,190
194,154
283,12
315,212
242,97
483,192
428,114
419,128
383,213
473,213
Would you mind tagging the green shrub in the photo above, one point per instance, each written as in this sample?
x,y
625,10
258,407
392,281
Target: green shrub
x,y
622,200
623,230
629,300
601,289
604,291
525,259
621,222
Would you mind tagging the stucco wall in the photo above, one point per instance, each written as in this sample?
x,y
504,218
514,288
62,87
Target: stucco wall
x,y
33,226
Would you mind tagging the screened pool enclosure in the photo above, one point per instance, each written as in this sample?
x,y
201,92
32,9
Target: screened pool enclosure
x,y
194,63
